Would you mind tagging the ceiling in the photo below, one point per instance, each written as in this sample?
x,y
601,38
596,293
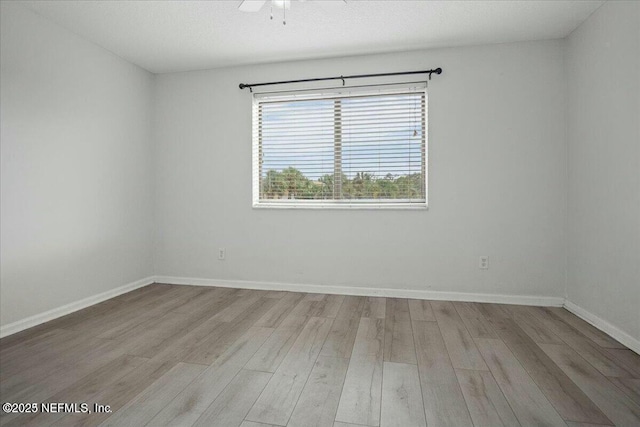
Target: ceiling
x,y
167,36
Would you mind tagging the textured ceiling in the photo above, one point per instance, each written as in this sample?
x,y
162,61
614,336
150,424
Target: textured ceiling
x,y
166,36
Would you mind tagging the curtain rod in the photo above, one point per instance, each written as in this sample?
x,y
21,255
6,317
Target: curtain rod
x,y
343,78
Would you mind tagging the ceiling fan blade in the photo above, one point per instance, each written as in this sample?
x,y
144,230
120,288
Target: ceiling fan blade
x,y
251,5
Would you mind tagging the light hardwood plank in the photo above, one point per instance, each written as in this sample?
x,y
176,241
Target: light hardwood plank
x,y
274,350
22,364
495,311
274,317
441,394
566,397
599,357
460,346
330,306
630,386
105,315
56,346
149,337
589,331
243,292
240,307
606,360
277,401
398,337
487,405
84,389
612,401
421,310
316,297
210,349
188,341
401,396
628,359
191,402
119,394
310,306
434,363
233,404
339,342
362,390
527,401
211,301
577,424
15,357
553,323
318,402
120,321
276,294
141,409
252,424
474,320
374,308
533,327
70,320
56,371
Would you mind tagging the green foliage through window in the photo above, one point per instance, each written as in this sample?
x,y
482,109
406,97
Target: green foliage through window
x,y
292,184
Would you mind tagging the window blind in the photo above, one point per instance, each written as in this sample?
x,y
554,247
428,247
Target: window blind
x,y
349,148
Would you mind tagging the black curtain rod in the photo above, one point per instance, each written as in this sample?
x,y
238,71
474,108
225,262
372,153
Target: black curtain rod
x,y
343,78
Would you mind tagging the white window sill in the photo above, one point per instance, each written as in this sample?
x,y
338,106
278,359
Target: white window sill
x,y
340,206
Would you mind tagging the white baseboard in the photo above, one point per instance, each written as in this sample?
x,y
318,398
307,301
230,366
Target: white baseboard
x,y
606,327
37,319
362,291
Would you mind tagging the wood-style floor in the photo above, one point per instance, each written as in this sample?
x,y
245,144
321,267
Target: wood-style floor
x,y
182,355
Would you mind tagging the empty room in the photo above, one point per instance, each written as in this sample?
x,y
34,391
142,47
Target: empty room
x,y
320,213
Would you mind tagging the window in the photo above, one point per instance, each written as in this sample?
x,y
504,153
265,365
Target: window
x,y
344,149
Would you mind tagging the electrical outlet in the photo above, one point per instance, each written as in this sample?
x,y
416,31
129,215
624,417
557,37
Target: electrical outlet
x,y
222,253
483,263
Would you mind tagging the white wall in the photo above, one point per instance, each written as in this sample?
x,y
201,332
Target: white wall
x,y
497,175
77,171
603,81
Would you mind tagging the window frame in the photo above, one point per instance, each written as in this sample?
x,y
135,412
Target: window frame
x,y
341,204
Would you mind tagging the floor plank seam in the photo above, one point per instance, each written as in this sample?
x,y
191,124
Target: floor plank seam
x,y
307,379
415,348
